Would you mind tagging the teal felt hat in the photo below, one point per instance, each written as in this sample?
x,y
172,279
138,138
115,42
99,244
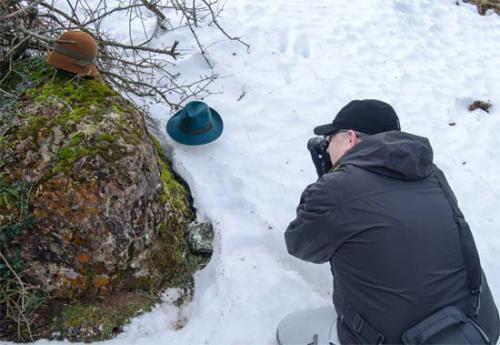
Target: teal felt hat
x,y
195,124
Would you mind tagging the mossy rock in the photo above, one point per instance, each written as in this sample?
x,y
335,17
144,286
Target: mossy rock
x,y
91,205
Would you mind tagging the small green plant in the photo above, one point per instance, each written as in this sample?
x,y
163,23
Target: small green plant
x,y
15,213
18,299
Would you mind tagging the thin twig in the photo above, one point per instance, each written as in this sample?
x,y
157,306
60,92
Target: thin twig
x,y
138,83
58,11
194,34
23,296
221,29
169,51
38,36
21,11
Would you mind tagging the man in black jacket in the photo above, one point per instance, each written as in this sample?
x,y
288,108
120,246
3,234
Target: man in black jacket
x,y
384,222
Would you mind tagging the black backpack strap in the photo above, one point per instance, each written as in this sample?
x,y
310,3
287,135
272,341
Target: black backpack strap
x,y
358,325
469,251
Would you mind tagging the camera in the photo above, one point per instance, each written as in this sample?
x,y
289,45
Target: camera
x,y
317,146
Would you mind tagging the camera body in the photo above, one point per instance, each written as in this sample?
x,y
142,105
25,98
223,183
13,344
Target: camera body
x,y
318,146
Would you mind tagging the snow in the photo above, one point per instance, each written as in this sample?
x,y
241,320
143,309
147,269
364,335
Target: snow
x,y
429,59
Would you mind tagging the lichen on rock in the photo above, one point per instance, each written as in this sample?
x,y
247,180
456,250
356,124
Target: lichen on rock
x,y
108,214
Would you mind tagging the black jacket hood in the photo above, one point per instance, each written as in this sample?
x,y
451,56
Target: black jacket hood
x,y
395,154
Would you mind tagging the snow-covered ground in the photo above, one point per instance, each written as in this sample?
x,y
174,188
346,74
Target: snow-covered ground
x,y
427,58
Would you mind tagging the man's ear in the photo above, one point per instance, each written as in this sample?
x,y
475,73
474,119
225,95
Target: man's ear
x,y
352,137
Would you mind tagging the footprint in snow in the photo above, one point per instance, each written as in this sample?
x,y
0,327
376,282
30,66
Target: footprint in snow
x,y
283,41
302,47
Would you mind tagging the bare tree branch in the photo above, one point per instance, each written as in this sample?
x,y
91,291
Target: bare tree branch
x,y
21,11
202,50
209,6
32,27
19,310
61,13
170,51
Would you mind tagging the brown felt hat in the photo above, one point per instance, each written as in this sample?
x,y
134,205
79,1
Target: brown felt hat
x,y
75,52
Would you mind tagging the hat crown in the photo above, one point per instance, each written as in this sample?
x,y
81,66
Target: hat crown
x,y
195,124
75,52
369,116
195,116
78,42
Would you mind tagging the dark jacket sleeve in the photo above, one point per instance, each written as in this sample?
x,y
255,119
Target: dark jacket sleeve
x,y
309,236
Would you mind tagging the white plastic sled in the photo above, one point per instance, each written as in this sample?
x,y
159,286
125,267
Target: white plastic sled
x,y
309,327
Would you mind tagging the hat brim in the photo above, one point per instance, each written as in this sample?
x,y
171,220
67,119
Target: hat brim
x,y
67,63
329,128
195,139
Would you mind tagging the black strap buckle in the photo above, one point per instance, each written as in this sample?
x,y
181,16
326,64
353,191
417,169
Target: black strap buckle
x,y
358,323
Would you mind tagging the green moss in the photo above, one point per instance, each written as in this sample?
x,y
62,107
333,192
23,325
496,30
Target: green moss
x,y
67,155
59,101
173,191
75,100
76,138
173,258
108,137
34,124
171,255
183,264
99,320
116,109
15,210
81,100
156,144
73,92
